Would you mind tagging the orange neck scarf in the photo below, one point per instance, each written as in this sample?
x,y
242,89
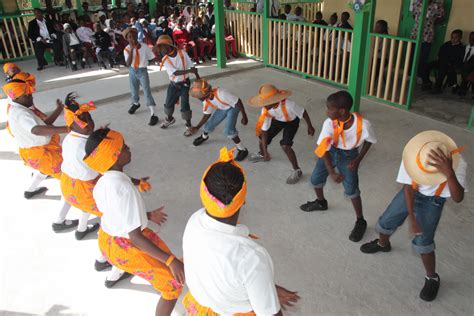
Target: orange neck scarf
x,y
338,131
215,207
265,114
106,154
73,117
211,96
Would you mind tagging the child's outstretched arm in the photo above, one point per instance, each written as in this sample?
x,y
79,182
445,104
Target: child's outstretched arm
x,y
308,122
45,130
53,116
203,121
354,164
240,106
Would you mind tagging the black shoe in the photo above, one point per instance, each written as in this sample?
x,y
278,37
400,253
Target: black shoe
x,y
198,141
359,229
40,68
315,205
67,224
153,120
133,108
101,266
109,284
74,67
373,247
241,154
29,194
430,290
89,229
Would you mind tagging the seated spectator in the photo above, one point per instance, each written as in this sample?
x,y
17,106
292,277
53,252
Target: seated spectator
x,y
126,21
298,16
282,16
163,28
209,19
228,5
230,43
73,48
84,34
381,27
450,60
187,14
144,34
319,19
102,17
467,68
66,18
183,40
43,35
152,28
85,10
118,40
333,20
345,16
274,7
199,36
141,14
173,21
88,21
131,10
104,48
143,6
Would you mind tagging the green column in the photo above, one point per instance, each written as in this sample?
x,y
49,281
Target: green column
x,y
265,16
220,33
151,7
79,9
416,56
360,37
35,4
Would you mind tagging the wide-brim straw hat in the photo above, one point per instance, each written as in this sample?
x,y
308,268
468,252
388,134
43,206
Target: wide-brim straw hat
x,y
200,89
416,156
268,94
165,40
128,30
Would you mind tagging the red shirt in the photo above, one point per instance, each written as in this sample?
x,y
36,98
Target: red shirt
x,y
181,37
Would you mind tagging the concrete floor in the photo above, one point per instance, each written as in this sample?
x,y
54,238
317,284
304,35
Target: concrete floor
x,y
42,273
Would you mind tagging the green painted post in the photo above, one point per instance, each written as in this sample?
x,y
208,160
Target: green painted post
x,y
416,56
79,9
151,7
358,51
471,121
367,49
35,4
265,38
220,33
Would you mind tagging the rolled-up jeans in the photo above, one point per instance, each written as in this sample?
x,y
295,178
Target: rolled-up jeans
x,y
230,116
139,77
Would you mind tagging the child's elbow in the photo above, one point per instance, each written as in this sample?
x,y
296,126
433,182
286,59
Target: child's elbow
x,y
459,198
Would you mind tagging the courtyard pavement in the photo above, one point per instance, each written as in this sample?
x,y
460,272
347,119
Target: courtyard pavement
x,y
43,273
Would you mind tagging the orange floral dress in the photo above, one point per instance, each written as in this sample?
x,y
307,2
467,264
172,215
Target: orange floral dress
x,y
47,159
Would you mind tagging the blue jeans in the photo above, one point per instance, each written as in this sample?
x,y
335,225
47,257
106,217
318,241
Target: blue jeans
x,y
340,159
230,117
175,92
427,210
139,77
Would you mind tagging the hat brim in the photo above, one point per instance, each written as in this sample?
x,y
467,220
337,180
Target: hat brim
x,y
166,44
258,102
411,151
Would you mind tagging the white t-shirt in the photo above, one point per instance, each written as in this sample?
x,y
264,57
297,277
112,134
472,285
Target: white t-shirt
x,y
226,270
427,190
73,39
229,99
121,204
293,110
21,121
43,30
350,135
85,34
172,64
74,150
145,54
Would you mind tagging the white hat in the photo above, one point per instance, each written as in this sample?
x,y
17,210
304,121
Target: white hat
x,y
100,14
416,156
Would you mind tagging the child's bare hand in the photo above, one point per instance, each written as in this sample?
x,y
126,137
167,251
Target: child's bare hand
x,y
193,129
244,120
177,269
337,177
414,228
442,162
158,216
311,130
59,104
286,298
354,165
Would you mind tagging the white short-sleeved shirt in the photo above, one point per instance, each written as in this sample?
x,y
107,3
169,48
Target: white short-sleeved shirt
x,y
121,204
427,190
144,52
21,121
172,64
350,135
229,100
226,270
74,150
293,109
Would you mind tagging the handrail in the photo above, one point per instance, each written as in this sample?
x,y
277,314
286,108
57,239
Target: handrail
x,y
393,37
244,12
3,16
311,24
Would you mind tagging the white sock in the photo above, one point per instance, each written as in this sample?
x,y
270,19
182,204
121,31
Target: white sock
x,y
101,258
83,222
83,59
152,110
38,177
115,274
205,135
65,207
74,62
239,146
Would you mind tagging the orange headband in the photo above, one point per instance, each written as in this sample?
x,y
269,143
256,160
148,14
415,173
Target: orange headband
x,y
14,90
9,66
71,117
268,95
28,78
215,207
204,89
106,153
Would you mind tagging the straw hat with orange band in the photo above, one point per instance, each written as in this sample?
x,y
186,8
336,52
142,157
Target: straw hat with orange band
x,y
212,205
416,158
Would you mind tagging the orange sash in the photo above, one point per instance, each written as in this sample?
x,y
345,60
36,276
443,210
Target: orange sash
x,y
209,103
167,58
265,114
136,62
338,131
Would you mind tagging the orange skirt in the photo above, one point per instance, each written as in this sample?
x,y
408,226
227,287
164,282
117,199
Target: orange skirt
x,y
193,308
79,193
121,253
46,159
